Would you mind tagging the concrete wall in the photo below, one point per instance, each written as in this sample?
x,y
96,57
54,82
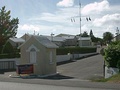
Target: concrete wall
x,y
109,71
61,58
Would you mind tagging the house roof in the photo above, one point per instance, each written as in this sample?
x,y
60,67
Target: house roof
x,y
61,35
66,36
84,38
45,41
42,40
17,40
57,39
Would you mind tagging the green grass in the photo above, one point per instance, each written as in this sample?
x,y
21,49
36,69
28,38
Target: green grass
x,y
114,79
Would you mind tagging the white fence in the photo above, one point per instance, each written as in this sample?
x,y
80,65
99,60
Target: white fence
x,y
61,58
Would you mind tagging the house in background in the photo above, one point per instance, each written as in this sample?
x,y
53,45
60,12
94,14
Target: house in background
x,y
15,42
59,41
26,36
85,41
116,38
69,40
40,52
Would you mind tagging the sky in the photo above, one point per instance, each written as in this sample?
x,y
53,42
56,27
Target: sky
x,y
44,17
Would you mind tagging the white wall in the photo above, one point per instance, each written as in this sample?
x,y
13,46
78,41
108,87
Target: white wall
x,y
109,71
61,58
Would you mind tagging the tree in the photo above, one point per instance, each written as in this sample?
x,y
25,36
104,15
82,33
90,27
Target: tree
x,y
85,34
91,33
8,26
107,37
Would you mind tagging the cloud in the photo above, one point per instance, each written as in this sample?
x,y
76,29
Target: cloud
x,y
113,19
104,17
62,16
95,7
27,27
65,3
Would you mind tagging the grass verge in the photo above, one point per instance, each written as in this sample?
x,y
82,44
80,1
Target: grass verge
x,y
113,79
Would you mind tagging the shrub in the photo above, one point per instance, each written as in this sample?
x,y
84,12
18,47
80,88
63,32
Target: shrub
x,y
75,50
118,65
10,55
112,55
8,48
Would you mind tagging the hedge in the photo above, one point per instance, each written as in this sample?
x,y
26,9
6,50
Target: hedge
x,y
112,55
10,55
75,50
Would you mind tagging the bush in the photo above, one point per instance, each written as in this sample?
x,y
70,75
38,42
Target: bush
x,y
112,55
8,48
9,55
75,50
118,65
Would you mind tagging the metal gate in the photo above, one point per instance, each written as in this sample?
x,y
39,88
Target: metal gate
x,y
7,65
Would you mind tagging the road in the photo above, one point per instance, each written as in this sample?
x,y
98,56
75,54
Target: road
x,y
76,75
21,86
84,69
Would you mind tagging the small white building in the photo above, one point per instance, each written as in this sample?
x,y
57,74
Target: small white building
x,y
41,53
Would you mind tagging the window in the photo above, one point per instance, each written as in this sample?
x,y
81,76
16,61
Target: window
x,y
32,55
32,50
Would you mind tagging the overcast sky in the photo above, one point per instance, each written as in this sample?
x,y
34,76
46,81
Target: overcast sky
x,y
54,16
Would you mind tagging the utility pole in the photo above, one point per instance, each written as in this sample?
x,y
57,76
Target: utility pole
x,y
80,21
80,16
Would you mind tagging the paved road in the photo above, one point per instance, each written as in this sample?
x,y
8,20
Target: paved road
x,y
75,74
84,69
23,86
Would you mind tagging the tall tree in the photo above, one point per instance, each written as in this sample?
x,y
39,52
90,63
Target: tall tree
x,y
91,33
8,26
107,37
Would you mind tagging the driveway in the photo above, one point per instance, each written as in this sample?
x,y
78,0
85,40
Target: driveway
x,y
83,69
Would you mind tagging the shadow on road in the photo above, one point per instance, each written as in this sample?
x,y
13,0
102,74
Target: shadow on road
x,y
53,77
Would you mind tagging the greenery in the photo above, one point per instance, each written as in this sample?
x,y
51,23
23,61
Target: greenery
x,y
8,48
75,50
107,37
8,26
9,52
114,78
85,34
93,38
112,55
10,55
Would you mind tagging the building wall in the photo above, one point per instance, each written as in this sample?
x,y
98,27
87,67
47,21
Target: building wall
x,y
85,43
42,65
